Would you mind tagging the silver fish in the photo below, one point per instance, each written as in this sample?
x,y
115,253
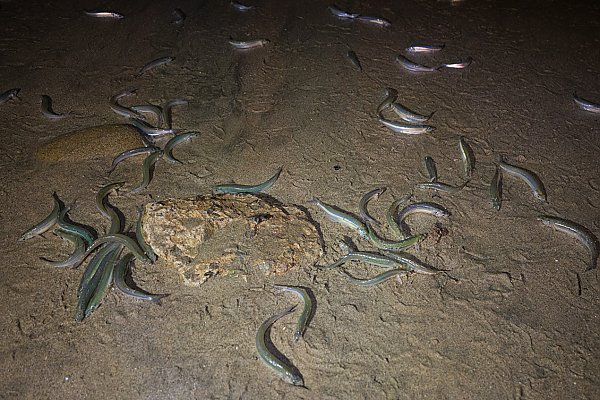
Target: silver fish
x,y
384,276
534,181
120,271
168,149
286,371
237,188
307,312
579,232
131,153
412,263
76,257
458,65
413,66
408,115
362,207
404,128
390,97
147,170
249,44
468,157
441,187
241,7
46,223
104,14
342,217
155,63
167,116
422,207
149,130
424,48
156,111
121,110
341,13
382,22
581,103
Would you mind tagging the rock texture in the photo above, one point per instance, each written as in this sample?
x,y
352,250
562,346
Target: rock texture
x,y
90,143
224,234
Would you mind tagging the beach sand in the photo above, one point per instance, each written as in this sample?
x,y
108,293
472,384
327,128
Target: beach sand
x,y
515,316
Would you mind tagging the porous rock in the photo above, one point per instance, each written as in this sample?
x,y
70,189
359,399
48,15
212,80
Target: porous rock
x,y
224,234
90,143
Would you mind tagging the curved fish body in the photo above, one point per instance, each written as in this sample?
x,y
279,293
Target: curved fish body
x,y
147,168
45,224
76,257
307,310
341,13
496,189
109,212
151,131
46,108
121,268
529,177
408,115
9,95
120,239
577,231
581,103
167,115
156,63
468,157
399,127
424,48
441,187
101,198
139,235
168,149
362,206
80,231
420,208
382,243
391,214
381,22
288,373
413,66
390,97
235,188
131,153
366,257
156,111
249,44
384,276
342,217
122,110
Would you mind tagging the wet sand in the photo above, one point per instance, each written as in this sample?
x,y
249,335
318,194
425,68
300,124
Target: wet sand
x,y
516,316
